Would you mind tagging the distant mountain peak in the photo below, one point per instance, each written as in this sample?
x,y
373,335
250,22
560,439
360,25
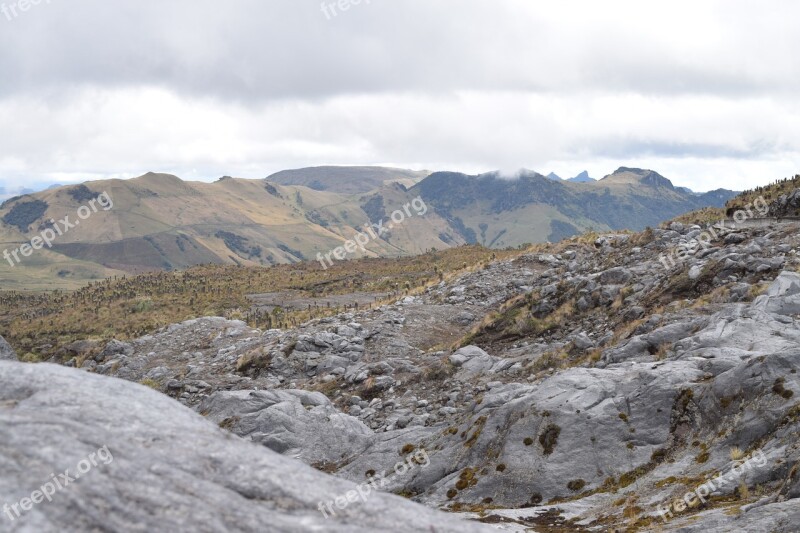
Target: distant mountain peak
x,y
555,177
583,177
639,175
347,179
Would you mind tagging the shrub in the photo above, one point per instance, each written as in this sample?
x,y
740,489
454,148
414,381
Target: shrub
x,y
81,193
658,455
780,390
24,214
549,438
576,484
408,448
253,359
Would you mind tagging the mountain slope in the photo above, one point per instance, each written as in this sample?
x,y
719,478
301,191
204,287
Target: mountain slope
x,y
160,222
494,211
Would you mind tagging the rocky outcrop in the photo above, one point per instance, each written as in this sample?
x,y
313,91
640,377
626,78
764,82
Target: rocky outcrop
x,y
6,351
787,205
166,468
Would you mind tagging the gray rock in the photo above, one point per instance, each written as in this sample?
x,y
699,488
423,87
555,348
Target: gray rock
x,y
465,354
296,423
169,469
735,238
615,276
634,312
6,351
115,347
583,341
464,318
783,295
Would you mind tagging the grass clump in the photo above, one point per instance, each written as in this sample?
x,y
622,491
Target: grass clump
x,y
736,453
153,384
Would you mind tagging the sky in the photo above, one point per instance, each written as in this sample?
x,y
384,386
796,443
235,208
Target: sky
x,y
705,92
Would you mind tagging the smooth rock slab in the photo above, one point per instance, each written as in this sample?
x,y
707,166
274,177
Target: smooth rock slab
x,y
172,470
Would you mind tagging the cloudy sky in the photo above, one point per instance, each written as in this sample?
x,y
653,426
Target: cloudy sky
x,y
707,93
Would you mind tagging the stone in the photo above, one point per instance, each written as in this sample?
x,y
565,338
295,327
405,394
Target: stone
x,y
6,351
152,451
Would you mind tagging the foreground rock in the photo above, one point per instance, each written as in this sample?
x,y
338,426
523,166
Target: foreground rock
x,y
169,469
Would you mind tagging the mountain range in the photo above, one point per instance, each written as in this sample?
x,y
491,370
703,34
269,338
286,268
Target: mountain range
x,y
160,222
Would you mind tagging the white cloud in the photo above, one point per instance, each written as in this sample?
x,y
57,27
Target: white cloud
x,y
704,92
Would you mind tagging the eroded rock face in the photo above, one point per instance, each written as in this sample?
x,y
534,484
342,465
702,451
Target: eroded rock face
x,y
6,351
170,470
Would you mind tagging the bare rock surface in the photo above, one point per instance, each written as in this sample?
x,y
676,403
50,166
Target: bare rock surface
x,y
170,470
297,423
6,351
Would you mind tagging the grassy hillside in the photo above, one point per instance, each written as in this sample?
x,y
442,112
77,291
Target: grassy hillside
x,y
159,222
43,324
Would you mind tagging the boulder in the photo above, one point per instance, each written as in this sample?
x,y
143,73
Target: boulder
x,y
6,351
165,468
296,423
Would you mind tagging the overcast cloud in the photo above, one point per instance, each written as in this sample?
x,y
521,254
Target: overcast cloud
x,y
704,92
